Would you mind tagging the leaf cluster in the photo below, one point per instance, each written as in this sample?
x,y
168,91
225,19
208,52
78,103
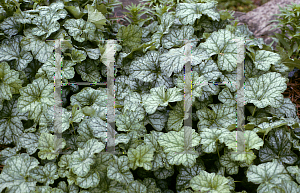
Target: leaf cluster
x,y
65,147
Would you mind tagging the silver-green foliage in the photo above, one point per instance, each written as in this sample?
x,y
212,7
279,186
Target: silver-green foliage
x,y
150,94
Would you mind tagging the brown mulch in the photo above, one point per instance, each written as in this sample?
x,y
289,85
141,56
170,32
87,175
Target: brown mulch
x,y
293,91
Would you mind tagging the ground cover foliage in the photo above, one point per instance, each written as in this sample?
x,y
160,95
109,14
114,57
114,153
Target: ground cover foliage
x,y
149,100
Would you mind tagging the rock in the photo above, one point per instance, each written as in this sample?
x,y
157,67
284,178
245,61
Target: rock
x,y
258,19
291,74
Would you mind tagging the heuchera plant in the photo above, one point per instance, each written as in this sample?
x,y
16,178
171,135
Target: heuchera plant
x,y
150,150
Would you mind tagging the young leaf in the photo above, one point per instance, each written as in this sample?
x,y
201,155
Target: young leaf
x,y
83,158
11,126
286,186
49,146
23,17
265,127
220,116
186,174
208,69
96,99
75,11
119,171
229,77
252,141
29,141
77,56
45,26
287,109
9,82
109,53
48,119
189,12
77,114
40,49
243,30
131,36
96,17
49,67
220,43
45,174
55,11
136,187
226,97
7,153
209,138
278,147
263,59
71,188
176,150
174,59
163,173
11,50
150,184
130,120
91,179
42,189
98,126
133,102
159,159
145,68
267,175
294,170
158,97
171,39
15,175
157,120
64,169
176,117
141,156
86,133
89,70
80,29
232,166
93,54
167,19
205,181
36,98
257,90
10,26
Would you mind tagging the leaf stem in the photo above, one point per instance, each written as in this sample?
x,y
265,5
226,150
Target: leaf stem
x,y
85,3
253,111
73,128
34,5
170,106
218,149
17,4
